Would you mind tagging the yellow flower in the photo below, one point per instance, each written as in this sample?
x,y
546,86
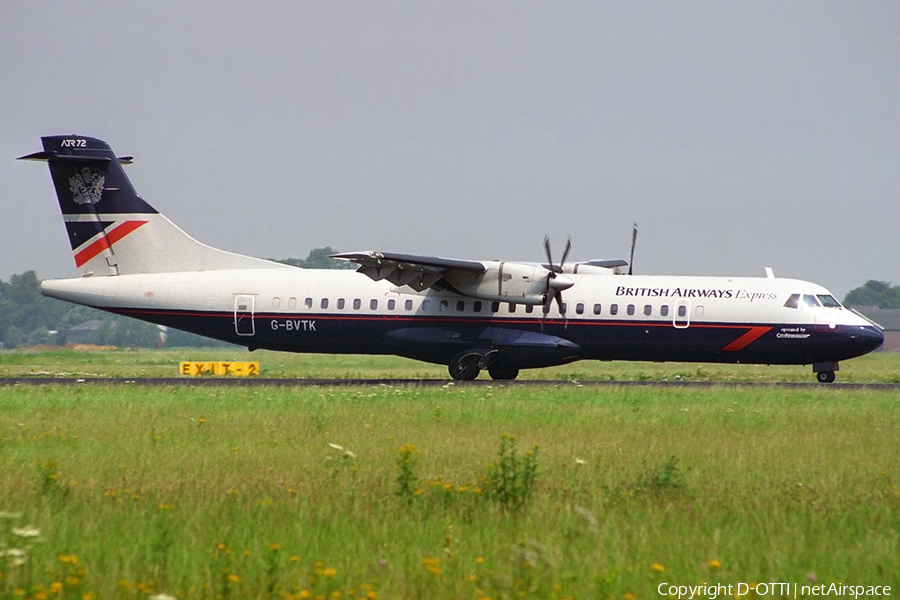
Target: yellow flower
x,y
432,565
234,578
657,567
69,559
55,587
329,572
274,546
88,596
479,559
714,564
629,596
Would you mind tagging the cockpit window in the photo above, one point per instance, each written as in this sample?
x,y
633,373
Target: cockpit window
x,y
793,301
828,301
810,301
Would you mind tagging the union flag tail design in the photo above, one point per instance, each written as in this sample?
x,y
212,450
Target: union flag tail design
x,y
112,230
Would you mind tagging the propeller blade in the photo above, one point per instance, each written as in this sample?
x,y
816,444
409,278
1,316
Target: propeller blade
x,y
561,307
547,251
565,253
633,243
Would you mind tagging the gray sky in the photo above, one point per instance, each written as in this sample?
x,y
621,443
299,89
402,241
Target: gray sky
x,y
739,135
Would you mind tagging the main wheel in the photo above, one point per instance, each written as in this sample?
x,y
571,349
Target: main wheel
x,y
825,376
500,373
465,369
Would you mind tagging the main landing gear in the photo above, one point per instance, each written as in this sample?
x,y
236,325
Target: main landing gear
x,y
466,366
825,371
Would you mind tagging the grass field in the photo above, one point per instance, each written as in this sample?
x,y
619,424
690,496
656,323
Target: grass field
x,y
383,492
879,367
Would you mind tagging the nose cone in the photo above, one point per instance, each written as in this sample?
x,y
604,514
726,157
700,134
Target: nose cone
x,y
560,283
866,339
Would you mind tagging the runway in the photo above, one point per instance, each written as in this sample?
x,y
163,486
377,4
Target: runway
x,y
429,383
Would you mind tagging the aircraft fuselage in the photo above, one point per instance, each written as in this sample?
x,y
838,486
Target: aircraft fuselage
x,y
658,318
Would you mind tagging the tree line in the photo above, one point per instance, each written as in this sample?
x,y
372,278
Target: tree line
x,y
27,318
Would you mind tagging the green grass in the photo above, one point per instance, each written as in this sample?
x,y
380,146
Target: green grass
x,y
221,492
879,367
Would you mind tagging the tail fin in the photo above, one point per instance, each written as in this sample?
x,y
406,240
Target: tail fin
x,y
112,230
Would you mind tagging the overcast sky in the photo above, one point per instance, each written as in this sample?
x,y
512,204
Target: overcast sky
x,y
739,135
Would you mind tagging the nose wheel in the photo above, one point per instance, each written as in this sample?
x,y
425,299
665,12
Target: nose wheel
x,y
825,376
825,371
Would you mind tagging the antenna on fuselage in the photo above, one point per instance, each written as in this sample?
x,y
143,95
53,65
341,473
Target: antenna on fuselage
x,y
633,243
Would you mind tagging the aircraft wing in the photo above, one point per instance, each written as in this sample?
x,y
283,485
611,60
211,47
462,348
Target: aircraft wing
x,y
418,272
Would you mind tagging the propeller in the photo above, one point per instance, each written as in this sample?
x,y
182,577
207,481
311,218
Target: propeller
x,y
556,281
633,243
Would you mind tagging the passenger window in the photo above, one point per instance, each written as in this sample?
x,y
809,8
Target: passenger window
x,y
529,308
443,306
828,301
408,305
391,304
460,305
597,308
793,301
810,301
630,310
477,306
357,304
340,304
682,310
512,307
495,306
698,312
324,303
579,308
613,309
648,310
373,304
564,307
308,303
276,302
664,310
426,305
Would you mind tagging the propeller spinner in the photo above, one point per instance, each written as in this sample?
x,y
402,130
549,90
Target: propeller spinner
x,y
556,281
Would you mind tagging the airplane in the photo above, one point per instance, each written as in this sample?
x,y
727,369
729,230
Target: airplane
x,y
469,315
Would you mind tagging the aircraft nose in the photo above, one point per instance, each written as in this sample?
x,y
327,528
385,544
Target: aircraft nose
x,y
868,338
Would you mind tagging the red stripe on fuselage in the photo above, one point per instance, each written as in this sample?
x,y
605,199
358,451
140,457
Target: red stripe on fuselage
x,y
748,338
106,242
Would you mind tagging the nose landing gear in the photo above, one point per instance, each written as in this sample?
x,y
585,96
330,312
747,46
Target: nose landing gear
x,y
825,371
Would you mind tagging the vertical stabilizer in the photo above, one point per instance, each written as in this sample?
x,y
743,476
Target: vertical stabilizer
x,y
111,229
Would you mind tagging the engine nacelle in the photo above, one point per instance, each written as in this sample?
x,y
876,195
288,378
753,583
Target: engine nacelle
x,y
587,269
504,282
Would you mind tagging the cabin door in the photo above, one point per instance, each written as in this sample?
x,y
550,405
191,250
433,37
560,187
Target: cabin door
x,y
243,315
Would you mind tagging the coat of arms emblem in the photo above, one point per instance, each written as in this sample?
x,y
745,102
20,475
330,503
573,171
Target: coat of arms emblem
x,y
86,186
